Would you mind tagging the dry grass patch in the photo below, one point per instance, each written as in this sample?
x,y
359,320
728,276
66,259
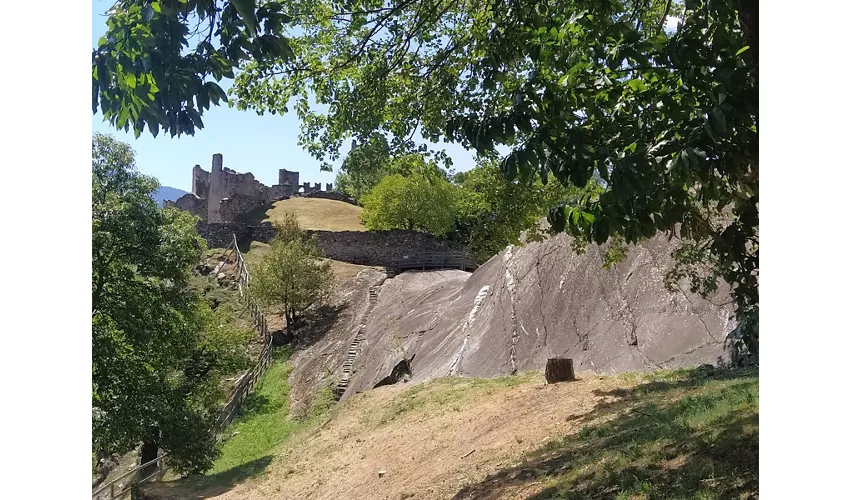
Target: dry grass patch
x,y
313,213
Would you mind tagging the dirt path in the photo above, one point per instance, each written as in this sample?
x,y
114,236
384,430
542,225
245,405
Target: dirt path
x,y
430,439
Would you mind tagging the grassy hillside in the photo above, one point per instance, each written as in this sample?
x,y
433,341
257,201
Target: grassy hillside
x,y
313,213
254,437
670,434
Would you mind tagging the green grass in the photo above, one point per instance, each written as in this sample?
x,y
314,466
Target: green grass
x,y
263,425
674,435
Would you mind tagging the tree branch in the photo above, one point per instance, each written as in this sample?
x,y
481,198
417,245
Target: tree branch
x,y
664,17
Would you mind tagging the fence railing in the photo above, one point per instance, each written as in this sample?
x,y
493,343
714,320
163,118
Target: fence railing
x,y
120,487
436,260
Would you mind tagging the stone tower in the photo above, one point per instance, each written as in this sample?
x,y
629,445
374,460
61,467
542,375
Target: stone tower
x,y
287,177
216,188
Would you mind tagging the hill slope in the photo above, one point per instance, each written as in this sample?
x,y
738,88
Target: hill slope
x,y
669,434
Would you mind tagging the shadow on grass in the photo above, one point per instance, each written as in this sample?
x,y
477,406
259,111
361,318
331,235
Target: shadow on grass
x,y
202,487
258,404
694,435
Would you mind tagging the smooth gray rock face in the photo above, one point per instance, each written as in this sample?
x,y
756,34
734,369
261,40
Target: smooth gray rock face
x,y
528,304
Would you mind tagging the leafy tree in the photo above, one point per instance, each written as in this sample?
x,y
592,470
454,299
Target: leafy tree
x,y
291,278
158,352
364,167
144,72
416,202
494,212
575,88
367,164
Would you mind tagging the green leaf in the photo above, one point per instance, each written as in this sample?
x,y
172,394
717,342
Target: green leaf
x,y
215,92
246,10
524,124
130,79
123,117
601,230
557,218
742,50
718,121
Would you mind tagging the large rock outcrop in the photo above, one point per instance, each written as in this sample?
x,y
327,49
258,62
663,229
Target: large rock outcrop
x,y
528,304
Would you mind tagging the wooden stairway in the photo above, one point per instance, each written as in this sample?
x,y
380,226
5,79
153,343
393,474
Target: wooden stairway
x,y
354,348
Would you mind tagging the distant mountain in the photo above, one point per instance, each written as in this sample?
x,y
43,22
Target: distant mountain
x,y
167,193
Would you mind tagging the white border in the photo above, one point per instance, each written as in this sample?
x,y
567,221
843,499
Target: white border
x,y
46,250
804,331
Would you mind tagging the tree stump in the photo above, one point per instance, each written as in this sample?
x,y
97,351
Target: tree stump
x,y
559,370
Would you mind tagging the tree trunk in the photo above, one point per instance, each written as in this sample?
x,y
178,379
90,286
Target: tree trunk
x,y
559,370
290,321
150,451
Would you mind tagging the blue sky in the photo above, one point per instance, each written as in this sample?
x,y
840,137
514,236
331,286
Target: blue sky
x,y
249,143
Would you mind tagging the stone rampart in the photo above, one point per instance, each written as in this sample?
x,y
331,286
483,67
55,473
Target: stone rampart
x,y
368,248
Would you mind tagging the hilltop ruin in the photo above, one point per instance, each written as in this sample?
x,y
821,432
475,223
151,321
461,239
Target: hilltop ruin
x,y
222,194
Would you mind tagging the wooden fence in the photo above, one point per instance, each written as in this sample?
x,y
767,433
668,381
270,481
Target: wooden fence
x,y
436,260
120,487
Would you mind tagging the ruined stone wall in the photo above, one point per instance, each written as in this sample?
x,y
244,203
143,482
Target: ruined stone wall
x,y
238,204
329,195
200,182
369,248
190,203
220,234
279,192
236,184
378,248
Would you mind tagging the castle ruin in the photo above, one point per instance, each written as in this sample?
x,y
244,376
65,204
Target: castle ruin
x,y
222,194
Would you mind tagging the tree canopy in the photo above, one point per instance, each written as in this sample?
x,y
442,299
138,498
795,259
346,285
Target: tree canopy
x,y
158,351
414,202
493,212
571,88
291,278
